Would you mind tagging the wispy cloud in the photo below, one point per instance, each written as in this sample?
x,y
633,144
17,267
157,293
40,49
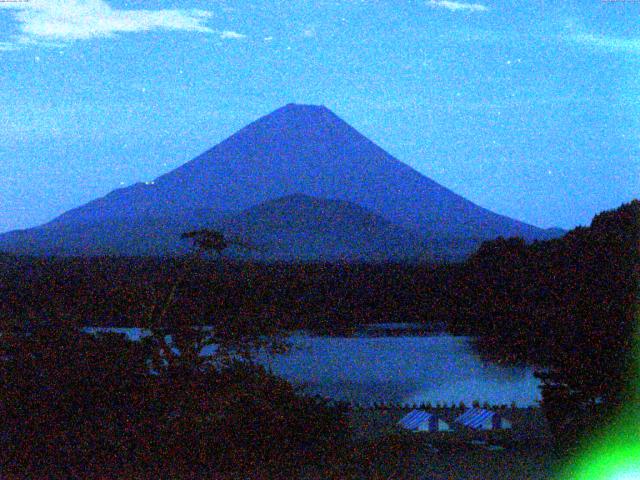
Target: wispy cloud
x,y
615,44
66,20
458,6
230,34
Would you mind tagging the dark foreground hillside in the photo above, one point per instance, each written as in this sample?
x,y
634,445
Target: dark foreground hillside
x,y
76,406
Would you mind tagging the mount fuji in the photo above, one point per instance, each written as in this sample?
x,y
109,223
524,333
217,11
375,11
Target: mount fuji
x,y
334,193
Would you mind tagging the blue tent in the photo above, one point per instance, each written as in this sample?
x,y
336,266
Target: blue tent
x,y
421,421
480,419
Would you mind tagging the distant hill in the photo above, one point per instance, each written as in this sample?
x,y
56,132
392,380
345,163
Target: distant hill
x,y
300,227
297,149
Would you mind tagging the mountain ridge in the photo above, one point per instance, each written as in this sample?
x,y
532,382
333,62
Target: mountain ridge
x,y
299,149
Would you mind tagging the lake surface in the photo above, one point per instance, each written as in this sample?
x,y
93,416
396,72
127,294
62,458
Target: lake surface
x,y
405,369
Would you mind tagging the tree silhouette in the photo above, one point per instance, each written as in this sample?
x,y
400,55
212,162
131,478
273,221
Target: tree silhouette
x,y
239,338
206,240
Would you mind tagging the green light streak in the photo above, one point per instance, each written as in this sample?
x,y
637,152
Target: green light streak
x,y
615,453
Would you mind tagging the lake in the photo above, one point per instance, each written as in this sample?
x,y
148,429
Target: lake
x,y
406,368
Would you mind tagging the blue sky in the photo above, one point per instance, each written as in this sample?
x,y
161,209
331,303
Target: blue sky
x,y
531,108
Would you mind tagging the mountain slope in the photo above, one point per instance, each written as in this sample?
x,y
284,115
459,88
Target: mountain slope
x,y
295,149
295,227
300,227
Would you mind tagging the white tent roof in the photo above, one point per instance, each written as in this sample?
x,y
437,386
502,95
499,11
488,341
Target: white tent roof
x,y
419,419
479,418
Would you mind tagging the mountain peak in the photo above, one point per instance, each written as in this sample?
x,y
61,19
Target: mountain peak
x,y
304,112
303,107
